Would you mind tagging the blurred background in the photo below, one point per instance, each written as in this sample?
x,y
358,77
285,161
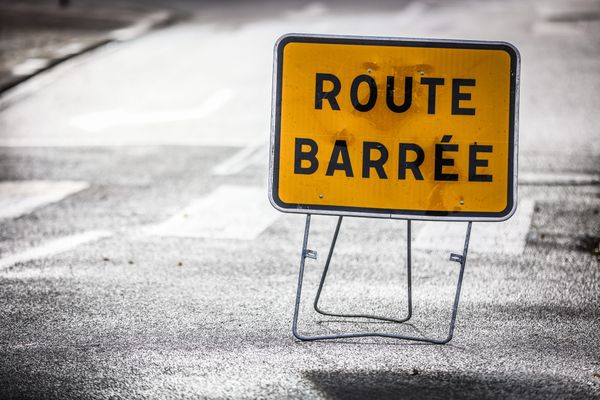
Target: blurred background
x,y
140,257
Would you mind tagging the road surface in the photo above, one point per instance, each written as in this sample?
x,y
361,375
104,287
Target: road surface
x,y
140,258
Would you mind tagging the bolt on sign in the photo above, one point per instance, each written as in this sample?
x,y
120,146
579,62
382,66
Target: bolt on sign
x,y
397,128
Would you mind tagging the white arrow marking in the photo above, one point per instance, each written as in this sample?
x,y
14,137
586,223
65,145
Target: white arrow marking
x,y
102,120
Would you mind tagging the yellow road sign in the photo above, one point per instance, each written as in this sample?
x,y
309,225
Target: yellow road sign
x,y
398,128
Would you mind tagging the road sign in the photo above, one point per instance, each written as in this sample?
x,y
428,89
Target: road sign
x,y
398,128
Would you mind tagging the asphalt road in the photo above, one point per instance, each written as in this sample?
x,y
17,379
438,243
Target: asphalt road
x,y
140,258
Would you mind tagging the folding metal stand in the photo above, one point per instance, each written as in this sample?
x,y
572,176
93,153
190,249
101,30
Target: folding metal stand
x,y
461,259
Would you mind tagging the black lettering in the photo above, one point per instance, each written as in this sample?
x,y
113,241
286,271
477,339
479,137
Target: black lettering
x,y
389,95
475,162
340,148
414,165
329,96
369,163
440,161
457,96
310,156
372,93
432,83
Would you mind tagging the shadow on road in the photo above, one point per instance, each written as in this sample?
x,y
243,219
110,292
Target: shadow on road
x,y
443,385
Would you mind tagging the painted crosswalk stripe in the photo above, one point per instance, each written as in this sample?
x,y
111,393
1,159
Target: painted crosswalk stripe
x,y
229,212
21,197
53,247
507,237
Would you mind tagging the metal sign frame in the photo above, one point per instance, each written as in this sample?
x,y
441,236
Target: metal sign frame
x,y
394,213
461,259
409,215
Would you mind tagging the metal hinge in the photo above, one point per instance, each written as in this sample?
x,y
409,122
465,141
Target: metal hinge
x,y
456,257
310,254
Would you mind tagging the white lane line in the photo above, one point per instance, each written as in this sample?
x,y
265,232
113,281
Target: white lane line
x,y
540,178
506,237
229,212
98,121
241,160
21,197
53,247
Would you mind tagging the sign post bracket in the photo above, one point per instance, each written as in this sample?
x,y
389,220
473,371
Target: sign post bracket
x,y
459,258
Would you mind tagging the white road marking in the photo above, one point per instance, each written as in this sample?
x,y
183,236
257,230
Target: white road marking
x,y
540,178
506,237
132,139
141,27
229,212
102,120
412,12
71,48
53,247
310,10
21,197
244,158
29,66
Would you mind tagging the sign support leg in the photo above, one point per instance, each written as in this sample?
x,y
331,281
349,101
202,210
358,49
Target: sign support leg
x,y
459,258
377,317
